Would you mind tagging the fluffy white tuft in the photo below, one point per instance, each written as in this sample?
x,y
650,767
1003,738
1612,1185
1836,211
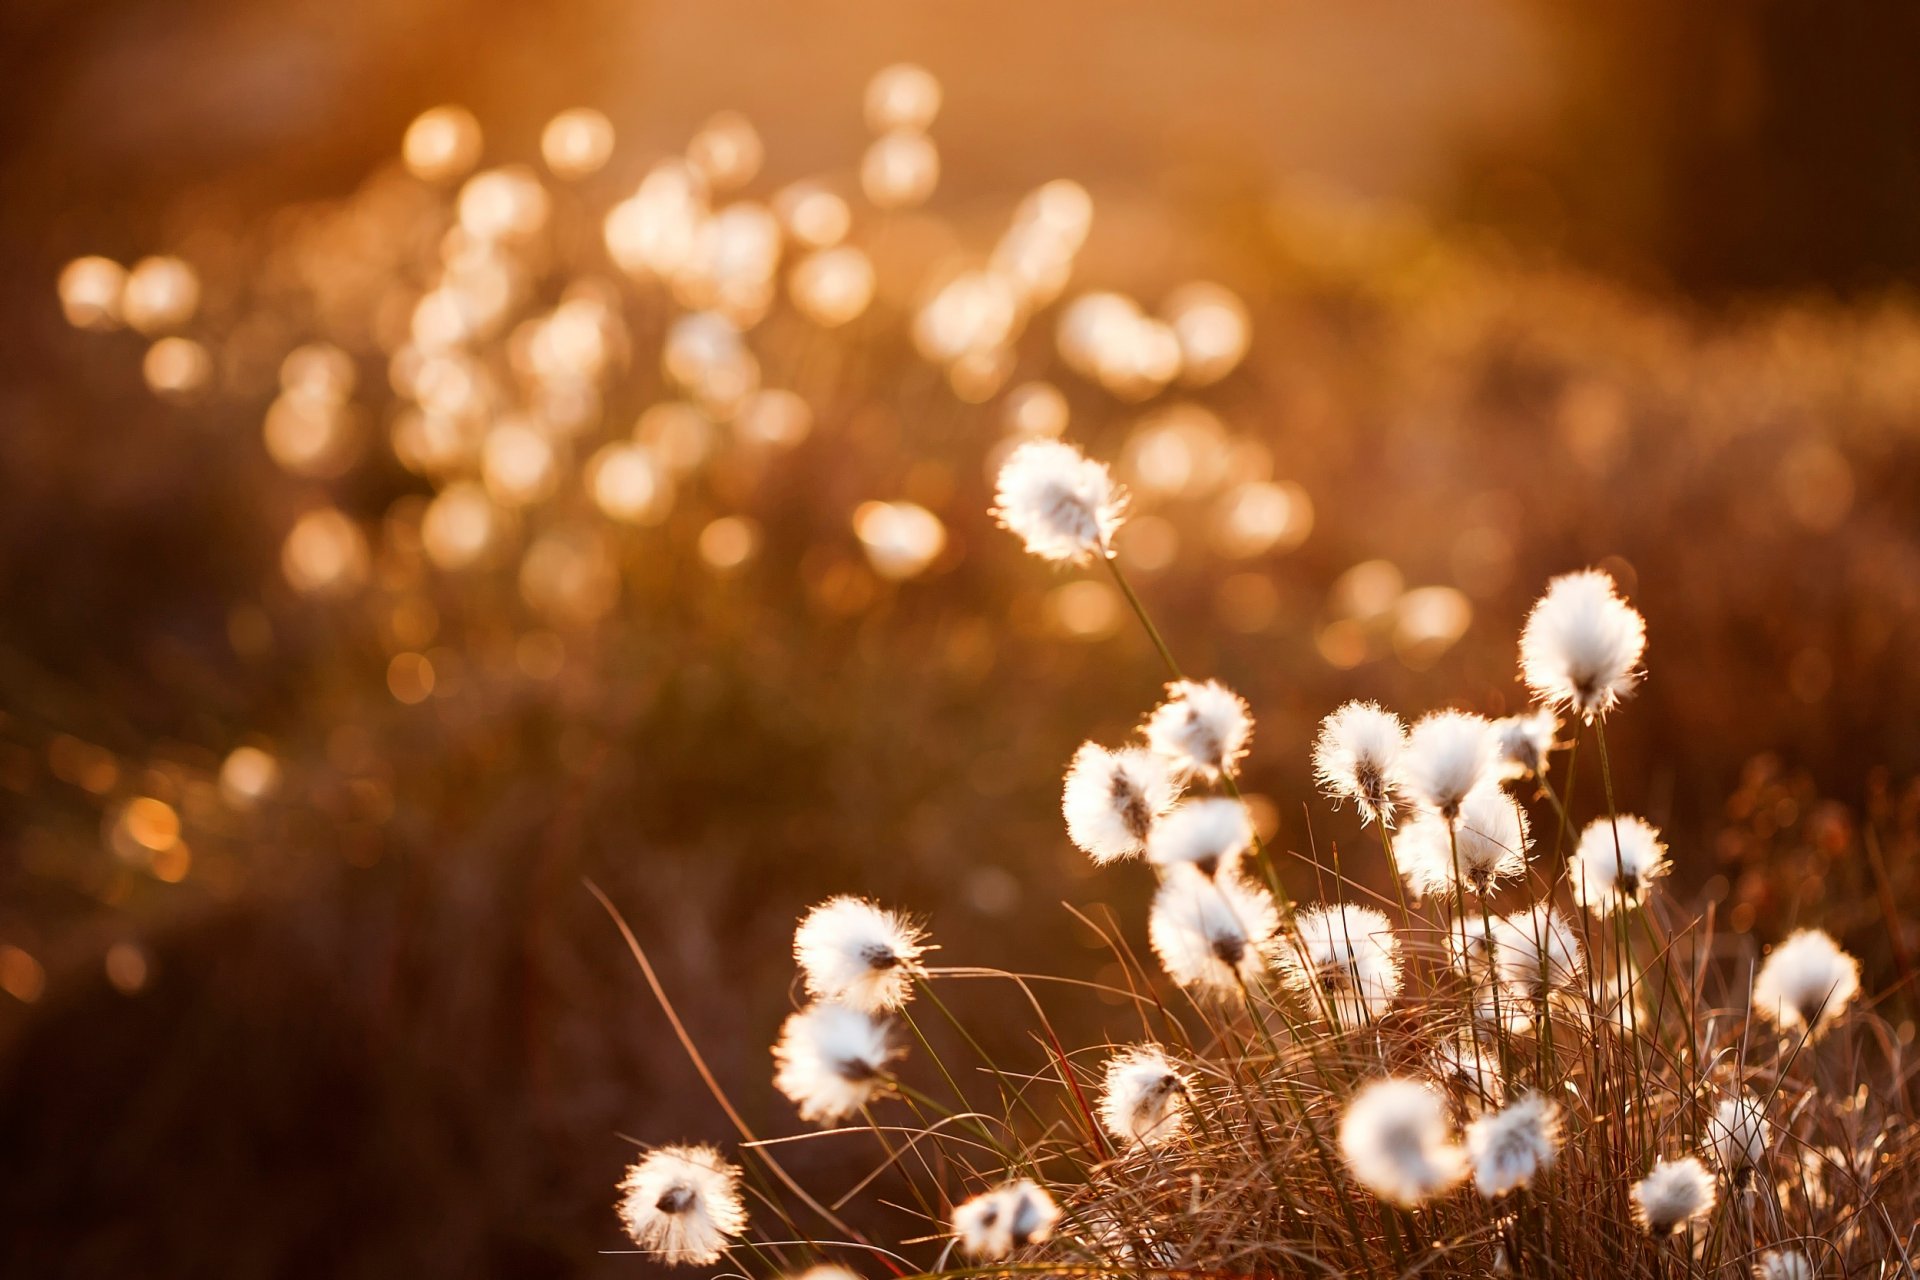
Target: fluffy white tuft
x,y
1201,729
1522,743
1487,844
1395,1141
1064,505
680,1204
1737,1135
1209,834
832,1059
1582,645
858,953
1808,981
1676,1192
1509,1147
1112,798
1465,1060
1212,933
1144,1096
1783,1264
1448,755
1357,758
1617,862
995,1223
1537,951
1345,960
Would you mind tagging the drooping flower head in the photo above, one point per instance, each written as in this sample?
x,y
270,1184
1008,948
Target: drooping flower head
x,y
1737,1135
1509,1147
832,1059
1394,1139
1357,757
1486,845
1345,960
858,953
1214,934
1112,798
1201,729
995,1223
1808,981
1063,504
1209,834
1675,1193
681,1204
1616,863
1537,952
1449,753
1144,1096
1580,651
1522,743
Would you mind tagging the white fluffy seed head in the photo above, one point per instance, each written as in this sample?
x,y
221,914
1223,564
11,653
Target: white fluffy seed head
x,y
1357,758
1783,1264
1472,1065
1522,744
1448,755
1344,960
1675,1193
1808,981
995,1223
1511,1146
1394,1139
1581,648
1616,864
1486,845
1537,952
681,1204
1201,729
1737,1135
833,1059
1210,835
1064,505
1144,1096
1212,933
1111,799
858,953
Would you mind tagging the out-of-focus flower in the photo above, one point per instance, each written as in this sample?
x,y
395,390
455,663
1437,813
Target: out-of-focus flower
x,y
1209,834
1112,798
1203,729
1395,1141
1807,981
1673,1194
1448,754
1737,1135
1522,743
1011,1216
832,1059
1511,1146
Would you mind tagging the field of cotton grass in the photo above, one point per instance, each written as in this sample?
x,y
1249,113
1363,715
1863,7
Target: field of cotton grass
x,y
1099,728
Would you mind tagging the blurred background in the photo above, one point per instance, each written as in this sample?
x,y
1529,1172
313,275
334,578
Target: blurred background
x,y
423,494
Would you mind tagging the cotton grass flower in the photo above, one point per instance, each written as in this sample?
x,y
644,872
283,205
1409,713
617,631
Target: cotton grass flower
x,y
1345,960
1737,1135
995,1223
832,1059
1144,1096
1209,835
1357,758
1808,981
859,954
681,1204
1063,505
1448,755
1616,862
1783,1264
1201,729
1676,1192
1467,1061
1487,844
1537,951
1111,799
1214,934
1507,1149
1522,743
1581,648
1395,1141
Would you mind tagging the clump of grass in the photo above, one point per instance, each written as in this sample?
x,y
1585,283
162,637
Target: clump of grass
x,y
1533,1062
